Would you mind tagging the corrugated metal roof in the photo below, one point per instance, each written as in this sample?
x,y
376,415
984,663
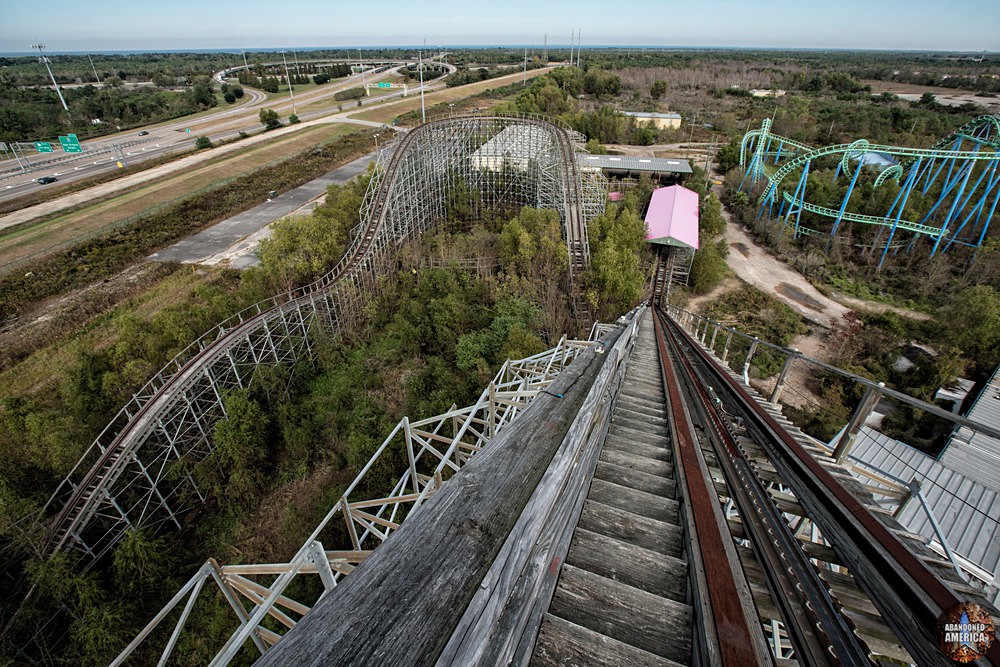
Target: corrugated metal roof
x,y
967,510
975,455
673,215
657,165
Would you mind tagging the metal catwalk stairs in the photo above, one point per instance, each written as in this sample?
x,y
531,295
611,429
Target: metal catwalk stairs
x,y
622,594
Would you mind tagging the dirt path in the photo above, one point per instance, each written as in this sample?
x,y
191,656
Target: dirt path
x,y
758,267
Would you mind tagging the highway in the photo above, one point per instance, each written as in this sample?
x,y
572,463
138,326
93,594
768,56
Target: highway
x,y
179,135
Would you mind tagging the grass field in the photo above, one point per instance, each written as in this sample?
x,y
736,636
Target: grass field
x,y
386,113
35,237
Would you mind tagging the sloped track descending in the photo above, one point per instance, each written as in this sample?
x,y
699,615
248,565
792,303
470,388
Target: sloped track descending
x,y
138,471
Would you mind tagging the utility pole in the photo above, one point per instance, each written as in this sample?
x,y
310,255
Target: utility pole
x,y
545,50
579,45
362,66
295,54
420,68
288,80
93,68
45,61
524,82
246,65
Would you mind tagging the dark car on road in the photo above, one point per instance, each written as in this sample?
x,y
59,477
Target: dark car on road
x,y
144,133
46,179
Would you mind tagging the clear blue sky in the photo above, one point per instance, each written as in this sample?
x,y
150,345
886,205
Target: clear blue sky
x,y
105,25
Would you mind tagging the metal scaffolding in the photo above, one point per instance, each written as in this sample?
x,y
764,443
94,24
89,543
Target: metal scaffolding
x,y
138,471
947,193
425,453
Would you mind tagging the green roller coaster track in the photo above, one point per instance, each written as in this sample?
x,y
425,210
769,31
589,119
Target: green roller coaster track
x,y
962,171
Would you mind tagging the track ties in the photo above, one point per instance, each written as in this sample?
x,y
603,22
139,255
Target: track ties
x,y
622,594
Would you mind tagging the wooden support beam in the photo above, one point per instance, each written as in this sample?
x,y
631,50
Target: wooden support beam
x,y
399,607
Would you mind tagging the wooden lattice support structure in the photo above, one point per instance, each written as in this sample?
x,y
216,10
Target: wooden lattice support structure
x,y
433,449
136,473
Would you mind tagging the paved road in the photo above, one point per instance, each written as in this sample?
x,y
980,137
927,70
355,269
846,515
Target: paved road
x,y
235,238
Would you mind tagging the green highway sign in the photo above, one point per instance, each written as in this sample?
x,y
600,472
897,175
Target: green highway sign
x,y
43,147
384,85
70,144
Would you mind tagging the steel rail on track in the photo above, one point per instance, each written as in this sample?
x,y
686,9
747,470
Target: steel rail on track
x,y
738,643
820,632
908,595
84,499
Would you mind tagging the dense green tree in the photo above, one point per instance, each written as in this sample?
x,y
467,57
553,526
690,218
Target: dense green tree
x,y
238,463
708,267
728,156
616,275
710,221
601,83
270,119
972,323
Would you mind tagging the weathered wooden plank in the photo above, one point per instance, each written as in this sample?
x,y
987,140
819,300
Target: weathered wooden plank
x,y
644,436
561,643
400,606
502,620
642,424
638,530
639,448
645,569
632,616
659,486
626,410
633,500
638,462
642,400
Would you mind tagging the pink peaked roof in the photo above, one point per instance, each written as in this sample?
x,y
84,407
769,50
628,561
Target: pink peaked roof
x,y
672,217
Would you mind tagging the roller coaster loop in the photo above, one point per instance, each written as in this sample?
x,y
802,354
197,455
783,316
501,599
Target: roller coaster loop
x,y
947,193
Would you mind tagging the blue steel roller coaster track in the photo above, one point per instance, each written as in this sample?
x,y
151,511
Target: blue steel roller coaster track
x,y
947,193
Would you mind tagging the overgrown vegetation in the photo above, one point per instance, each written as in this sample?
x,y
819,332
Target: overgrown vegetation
x,y
431,337
434,335
758,314
105,256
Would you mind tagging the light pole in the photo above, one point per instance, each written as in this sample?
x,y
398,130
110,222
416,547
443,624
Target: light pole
x,y
45,61
94,68
376,142
246,65
451,109
361,65
420,68
288,80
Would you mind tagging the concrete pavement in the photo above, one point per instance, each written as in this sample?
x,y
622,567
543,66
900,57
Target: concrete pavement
x,y
234,239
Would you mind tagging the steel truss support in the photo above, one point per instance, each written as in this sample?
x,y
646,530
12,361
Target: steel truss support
x,y
956,183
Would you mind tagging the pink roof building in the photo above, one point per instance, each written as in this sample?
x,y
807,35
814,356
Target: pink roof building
x,y
672,217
